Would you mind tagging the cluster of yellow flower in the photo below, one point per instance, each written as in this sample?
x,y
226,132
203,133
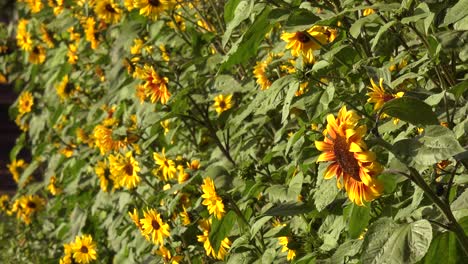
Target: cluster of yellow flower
x,y
25,206
82,250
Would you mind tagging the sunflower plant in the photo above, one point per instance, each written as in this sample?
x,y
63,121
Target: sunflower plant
x,y
237,131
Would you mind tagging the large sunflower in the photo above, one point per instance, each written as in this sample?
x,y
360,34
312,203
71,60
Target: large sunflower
x,y
354,165
211,199
153,228
84,249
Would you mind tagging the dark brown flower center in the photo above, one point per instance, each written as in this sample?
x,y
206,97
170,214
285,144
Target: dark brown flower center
x,y
388,97
222,104
345,158
302,37
155,3
128,169
155,224
68,88
31,205
84,249
166,163
36,50
110,8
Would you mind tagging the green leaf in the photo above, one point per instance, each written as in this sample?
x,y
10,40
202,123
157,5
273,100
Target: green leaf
x,y
220,229
381,31
325,193
349,248
302,17
28,172
386,242
355,29
457,12
411,110
229,10
247,45
258,225
242,12
445,249
295,186
289,209
459,89
293,86
358,220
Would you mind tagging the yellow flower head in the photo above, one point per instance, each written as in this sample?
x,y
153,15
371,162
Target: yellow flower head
x,y
284,241
153,8
124,169
378,96
260,73
90,32
4,201
211,200
25,103
108,11
155,86
29,205
52,187
368,11
166,165
48,40
153,228
222,103
352,163
103,173
303,43
84,249
37,55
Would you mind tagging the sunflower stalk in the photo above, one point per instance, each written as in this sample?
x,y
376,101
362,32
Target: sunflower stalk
x,y
453,225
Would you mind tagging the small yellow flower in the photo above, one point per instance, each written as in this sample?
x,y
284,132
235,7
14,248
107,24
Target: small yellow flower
x,y
37,55
211,200
153,228
166,165
368,11
205,225
222,103
108,11
124,169
26,101
84,249
52,187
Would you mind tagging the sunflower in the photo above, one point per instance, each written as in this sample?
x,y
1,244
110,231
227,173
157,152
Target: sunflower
x,y
84,249
26,206
72,53
135,218
153,228
105,139
37,55
103,173
4,201
182,176
260,73
48,40
65,89
222,103
90,32
153,8
368,11
378,96
155,86
167,256
164,53
284,241
23,38
52,187
305,42
194,165
205,225
185,217
57,5
108,11
211,200
177,22
124,169
352,163
166,165
25,103
35,6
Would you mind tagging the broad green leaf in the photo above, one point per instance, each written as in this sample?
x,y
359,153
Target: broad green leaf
x,y
326,191
359,217
349,248
302,17
411,110
381,31
229,10
295,186
247,45
456,12
356,28
258,225
446,249
293,86
390,243
242,12
220,229
459,89
28,172
289,209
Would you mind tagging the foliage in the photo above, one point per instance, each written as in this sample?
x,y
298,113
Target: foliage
x,y
204,131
